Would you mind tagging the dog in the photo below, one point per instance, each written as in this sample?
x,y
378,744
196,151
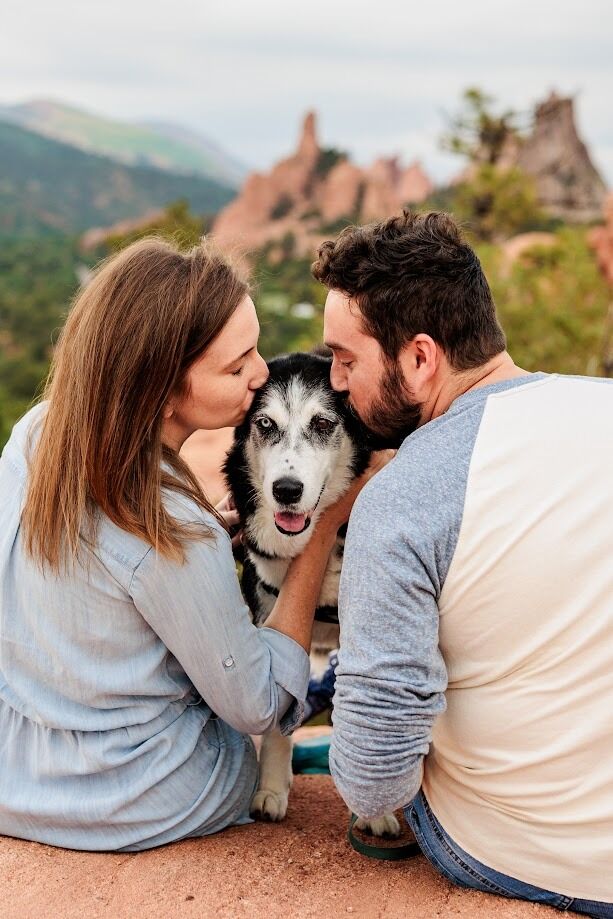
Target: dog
x,y
297,451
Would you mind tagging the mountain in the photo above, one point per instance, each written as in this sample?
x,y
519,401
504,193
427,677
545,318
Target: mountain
x,y
313,193
51,186
158,144
192,145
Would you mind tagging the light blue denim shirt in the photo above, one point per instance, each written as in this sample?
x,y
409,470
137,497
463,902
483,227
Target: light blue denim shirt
x,y
128,688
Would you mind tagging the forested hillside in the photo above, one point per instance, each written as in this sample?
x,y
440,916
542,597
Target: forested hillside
x,y
165,146
46,186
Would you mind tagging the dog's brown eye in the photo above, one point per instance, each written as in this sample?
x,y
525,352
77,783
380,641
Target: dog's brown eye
x,y
322,425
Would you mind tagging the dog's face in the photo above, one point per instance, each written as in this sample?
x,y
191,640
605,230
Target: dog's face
x,y
300,448
297,442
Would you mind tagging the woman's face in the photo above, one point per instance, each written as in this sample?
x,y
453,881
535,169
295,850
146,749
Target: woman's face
x,y
221,384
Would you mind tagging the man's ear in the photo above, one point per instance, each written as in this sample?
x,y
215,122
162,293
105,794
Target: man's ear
x,y
419,360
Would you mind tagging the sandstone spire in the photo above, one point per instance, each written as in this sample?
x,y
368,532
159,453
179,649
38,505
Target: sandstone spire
x,y
308,147
567,181
414,185
305,193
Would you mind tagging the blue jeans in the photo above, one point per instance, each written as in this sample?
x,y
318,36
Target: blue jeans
x,y
462,869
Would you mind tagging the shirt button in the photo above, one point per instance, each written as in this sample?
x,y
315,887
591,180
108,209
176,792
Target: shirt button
x,y
229,662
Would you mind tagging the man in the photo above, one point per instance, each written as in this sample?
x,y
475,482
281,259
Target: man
x,y
475,677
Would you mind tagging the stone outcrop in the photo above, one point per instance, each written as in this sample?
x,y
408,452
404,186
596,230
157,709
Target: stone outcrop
x,y
567,182
298,203
342,190
568,185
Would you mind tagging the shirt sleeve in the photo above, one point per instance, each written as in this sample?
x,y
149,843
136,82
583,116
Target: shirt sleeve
x,y
391,676
254,679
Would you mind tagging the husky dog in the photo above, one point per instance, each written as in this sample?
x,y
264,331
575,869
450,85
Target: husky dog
x,y
294,455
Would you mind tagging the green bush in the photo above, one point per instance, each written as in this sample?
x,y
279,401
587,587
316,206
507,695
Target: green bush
x,y
552,303
328,158
498,203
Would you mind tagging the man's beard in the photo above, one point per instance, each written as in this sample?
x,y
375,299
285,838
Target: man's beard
x,y
394,414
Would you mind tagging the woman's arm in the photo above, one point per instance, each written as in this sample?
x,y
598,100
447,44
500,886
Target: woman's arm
x,y
254,679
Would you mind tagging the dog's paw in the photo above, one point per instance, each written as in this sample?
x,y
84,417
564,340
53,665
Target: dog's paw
x,y
386,826
269,805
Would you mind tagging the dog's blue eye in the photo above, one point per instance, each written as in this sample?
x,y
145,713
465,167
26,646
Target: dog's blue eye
x,y
265,424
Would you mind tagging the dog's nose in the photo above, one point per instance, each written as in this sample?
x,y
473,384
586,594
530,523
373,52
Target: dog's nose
x,y
286,490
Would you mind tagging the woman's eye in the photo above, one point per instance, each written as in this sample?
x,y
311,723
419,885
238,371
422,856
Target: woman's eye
x,y
237,373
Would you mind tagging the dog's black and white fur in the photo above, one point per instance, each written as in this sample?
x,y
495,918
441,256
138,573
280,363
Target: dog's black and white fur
x,y
294,455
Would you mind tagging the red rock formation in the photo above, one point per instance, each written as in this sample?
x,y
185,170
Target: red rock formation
x,y
567,181
568,184
339,194
299,197
601,239
415,185
256,215
381,189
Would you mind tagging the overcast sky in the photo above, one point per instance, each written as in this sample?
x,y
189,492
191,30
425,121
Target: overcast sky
x,y
381,74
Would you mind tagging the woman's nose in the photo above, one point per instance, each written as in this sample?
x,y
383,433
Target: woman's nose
x,y
261,375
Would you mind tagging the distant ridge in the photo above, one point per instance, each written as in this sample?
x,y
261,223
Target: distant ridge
x,y
152,143
47,186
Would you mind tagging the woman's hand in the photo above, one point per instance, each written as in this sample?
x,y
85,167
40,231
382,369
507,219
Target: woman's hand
x,y
338,513
227,509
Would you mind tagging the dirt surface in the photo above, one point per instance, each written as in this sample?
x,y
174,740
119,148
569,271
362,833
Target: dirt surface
x,y
299,869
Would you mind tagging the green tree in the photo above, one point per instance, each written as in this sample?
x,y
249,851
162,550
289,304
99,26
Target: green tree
x,y
176,223
477,132
552,302
493,199
496,203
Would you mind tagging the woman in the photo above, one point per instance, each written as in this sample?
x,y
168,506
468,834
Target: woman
x,y
130,673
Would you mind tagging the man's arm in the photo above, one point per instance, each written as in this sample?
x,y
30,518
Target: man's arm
x,y
391,677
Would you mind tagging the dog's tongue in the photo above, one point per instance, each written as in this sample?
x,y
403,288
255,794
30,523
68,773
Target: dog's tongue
x,y
291,523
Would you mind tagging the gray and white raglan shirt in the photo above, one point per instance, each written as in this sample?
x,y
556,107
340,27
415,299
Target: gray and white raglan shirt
x,y
476,612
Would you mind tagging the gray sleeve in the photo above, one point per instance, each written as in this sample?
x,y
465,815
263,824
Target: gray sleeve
x,y
254,679
391,676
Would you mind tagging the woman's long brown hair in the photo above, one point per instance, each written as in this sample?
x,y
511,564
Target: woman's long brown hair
x,y
126,347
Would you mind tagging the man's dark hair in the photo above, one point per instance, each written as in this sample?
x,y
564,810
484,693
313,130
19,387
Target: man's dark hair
x,y
414,273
